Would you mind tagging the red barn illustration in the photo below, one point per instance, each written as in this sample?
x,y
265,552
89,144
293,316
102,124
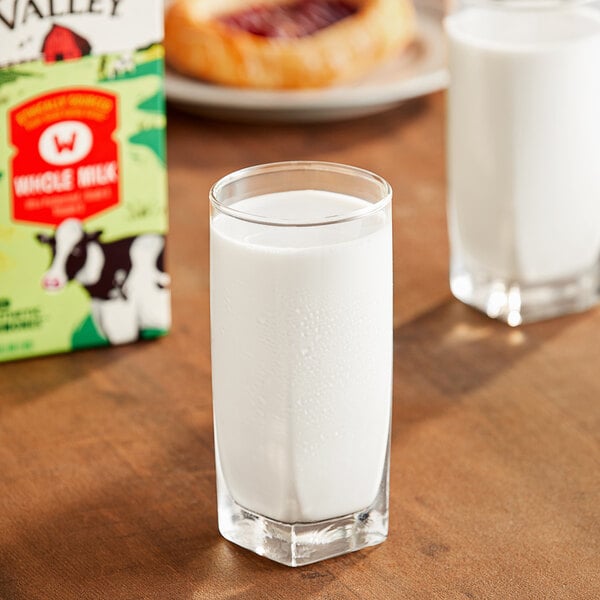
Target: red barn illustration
x,y
63,44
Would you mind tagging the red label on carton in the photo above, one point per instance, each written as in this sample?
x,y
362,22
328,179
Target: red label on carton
x,y
66,162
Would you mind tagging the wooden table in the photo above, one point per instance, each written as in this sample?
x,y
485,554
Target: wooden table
x,y
107,482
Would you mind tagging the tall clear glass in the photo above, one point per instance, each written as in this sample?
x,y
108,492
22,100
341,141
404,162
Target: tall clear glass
x,y
301,339
524,156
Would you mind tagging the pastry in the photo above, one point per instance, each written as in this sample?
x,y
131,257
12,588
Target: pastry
x,y
284,43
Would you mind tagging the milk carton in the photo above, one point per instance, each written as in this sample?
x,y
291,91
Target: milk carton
x,y
83,210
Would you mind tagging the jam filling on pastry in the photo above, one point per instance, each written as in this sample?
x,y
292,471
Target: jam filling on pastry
x,y
297,19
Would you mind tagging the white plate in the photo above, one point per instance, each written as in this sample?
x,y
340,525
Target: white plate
x,y
415,72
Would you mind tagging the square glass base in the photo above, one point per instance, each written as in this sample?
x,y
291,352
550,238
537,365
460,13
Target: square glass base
x,y
516,303
298,544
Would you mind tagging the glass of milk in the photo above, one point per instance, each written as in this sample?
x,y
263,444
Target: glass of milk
x,y
524,156
301,337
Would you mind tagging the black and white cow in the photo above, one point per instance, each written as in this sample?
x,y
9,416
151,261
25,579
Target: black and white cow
x,y
121,65
125,278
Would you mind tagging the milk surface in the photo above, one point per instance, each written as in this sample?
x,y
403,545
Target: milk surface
x,y
524,142
301,323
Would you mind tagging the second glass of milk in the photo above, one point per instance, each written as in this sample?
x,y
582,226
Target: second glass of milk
x,y
524,156
301,336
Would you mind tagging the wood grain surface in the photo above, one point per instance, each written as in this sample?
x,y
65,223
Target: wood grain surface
x,y
107,483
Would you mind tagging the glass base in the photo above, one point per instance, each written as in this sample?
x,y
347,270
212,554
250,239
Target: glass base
x,y
298,544
516,303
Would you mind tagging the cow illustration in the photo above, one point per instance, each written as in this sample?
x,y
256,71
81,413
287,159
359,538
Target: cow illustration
x,y
124,278
120,65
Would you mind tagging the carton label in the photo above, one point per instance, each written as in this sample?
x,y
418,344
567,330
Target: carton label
x,y
66,162
83,208
57,30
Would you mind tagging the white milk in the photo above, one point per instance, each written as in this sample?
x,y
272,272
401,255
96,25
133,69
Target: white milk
x,y
302,356
524,142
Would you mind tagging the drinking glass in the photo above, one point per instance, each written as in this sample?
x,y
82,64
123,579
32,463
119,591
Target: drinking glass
x,y
301,341
524,156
